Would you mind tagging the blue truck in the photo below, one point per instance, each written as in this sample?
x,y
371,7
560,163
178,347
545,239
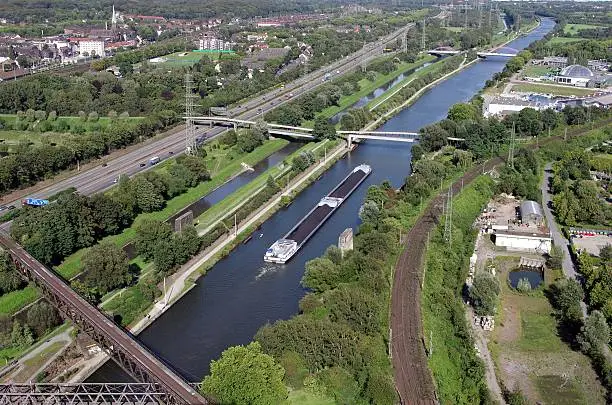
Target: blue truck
x,y
34,202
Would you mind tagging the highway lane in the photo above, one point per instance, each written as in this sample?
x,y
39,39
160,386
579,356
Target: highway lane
x,y
100,178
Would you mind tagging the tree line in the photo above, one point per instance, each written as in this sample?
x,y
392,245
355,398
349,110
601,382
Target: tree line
x,y
55,231
577,198
32,163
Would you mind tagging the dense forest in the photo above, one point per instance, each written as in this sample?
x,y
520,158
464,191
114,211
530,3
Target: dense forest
x,y
77,10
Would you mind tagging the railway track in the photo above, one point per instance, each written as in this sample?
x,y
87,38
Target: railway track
x,y
413,379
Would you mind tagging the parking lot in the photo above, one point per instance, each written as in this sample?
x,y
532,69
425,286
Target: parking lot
x,y
590,242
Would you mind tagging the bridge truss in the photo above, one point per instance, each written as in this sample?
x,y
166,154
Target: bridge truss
x,y
134,358
82,393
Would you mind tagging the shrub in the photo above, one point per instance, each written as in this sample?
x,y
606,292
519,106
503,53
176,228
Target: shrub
x,y
523,285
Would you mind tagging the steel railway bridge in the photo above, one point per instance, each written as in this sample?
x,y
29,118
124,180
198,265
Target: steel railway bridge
x,y
158,382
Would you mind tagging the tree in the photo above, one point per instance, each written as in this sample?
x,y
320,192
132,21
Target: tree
x,y
106,267
462,112
148,234
370,212
433,137
245,375
566,296
321,274
148,197
93,117
229,138
289,115
42,317
555,258
594,334
323,129
126,69
9,277
523,285
484,293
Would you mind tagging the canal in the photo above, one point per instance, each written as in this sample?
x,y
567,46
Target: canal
x,y
241,292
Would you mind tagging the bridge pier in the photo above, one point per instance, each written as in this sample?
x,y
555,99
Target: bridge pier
x,y
349,141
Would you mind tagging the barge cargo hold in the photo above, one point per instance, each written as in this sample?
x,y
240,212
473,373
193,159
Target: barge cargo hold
x,y
283,249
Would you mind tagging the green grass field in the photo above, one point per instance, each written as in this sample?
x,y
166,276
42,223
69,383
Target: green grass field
x,y
555,90
189,58
564,40
11,137
15,300
526,339
535,71
246,192
72,265
575,28
303,397
367,87
454,29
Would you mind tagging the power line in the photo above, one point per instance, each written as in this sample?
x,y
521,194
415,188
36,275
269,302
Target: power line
x,y
423,38
511,148
191,145
448,217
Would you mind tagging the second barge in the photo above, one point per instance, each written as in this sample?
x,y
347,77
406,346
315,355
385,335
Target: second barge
x,y
283,249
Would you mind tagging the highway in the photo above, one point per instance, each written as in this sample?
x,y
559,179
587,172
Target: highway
x,y
121,341
100,178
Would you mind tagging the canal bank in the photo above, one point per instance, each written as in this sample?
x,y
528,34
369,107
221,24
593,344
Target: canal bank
x,y
241,293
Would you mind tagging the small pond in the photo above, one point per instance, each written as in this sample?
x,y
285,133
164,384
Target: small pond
x,y
535,277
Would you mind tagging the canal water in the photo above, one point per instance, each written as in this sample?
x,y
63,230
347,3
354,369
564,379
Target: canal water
x,y
227,188
241,292
379,91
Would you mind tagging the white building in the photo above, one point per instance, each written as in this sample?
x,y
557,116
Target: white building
x,y
507,105
92,48
575,75
214,44
525,242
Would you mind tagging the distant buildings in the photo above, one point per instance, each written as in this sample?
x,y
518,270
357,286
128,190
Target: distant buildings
x,y
507,105
575,75
281,21
91,48
210,42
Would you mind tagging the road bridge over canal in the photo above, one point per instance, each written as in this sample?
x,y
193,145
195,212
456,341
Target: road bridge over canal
x,y
441,52
306,133
138,361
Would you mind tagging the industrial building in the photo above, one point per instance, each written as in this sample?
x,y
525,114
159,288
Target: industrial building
x,y
517,226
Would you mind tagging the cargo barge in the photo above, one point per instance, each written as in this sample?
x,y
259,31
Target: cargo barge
x,y
283,249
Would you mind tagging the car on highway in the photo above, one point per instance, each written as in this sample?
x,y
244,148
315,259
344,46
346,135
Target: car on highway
x,y
3,208
171,153
142,164
11,207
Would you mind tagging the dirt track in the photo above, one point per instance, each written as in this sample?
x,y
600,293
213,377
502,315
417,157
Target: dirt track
x,y
413,379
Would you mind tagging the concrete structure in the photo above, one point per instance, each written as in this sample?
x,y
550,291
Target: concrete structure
x,y
602,101
559,62
92,48
590,240
531,213
575,75
535,242
183,221
507,105
345,241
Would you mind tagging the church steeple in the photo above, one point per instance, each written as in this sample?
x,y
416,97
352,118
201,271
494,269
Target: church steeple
x,y
114,19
